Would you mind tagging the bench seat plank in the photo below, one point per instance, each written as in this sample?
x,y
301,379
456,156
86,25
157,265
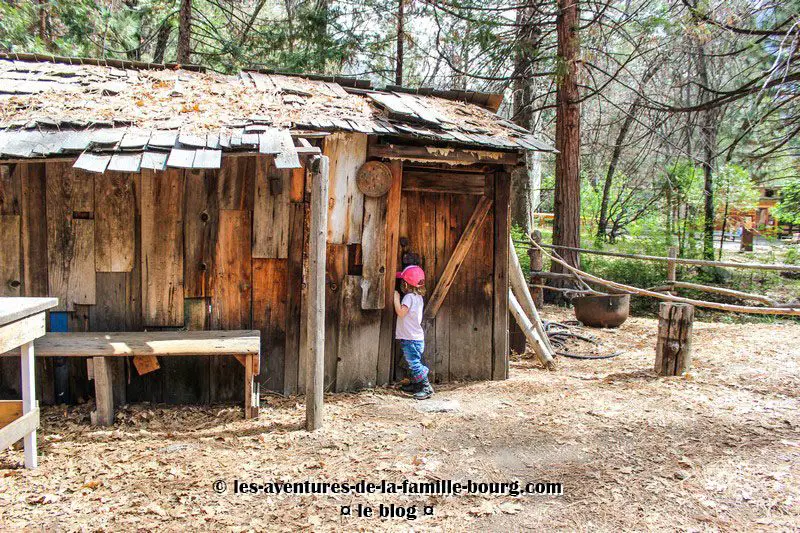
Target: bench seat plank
x,y
137,343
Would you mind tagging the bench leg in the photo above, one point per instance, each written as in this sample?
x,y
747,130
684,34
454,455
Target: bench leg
x,y
104,393
29,402
251,389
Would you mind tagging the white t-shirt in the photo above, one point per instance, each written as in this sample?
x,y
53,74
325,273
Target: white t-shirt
x,y
409,327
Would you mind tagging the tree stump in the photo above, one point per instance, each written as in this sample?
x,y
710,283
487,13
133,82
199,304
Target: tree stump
x,y
674,346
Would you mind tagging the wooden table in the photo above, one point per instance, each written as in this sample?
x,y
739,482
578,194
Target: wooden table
x,y
21,321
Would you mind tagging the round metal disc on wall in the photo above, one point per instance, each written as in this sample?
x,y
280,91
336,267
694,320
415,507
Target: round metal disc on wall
x,y
374,178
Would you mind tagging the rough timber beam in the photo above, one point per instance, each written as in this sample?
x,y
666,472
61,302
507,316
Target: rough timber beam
x,y
438,154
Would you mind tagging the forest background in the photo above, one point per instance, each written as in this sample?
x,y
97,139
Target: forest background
x,y
672,117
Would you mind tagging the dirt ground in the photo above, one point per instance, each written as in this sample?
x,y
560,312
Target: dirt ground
x,y
717,449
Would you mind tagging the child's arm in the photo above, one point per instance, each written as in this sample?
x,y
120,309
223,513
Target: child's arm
x,y
401,310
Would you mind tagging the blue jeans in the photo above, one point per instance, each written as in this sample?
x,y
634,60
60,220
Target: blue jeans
x,y
412,351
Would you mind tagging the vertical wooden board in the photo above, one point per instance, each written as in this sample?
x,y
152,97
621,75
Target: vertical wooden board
x,y
297,184
373,249
34,229
162,247
393,213
304,295
294,290
10,258
81,286
235,182
500,282
271,211
10,189
347,152
231,288
82,191
270,298
359,332
471,304
186,379
113,219
60,237
335,271
110,313
201,216
440,360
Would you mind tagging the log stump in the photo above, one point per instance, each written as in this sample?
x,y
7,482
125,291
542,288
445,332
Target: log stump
x,y
674,346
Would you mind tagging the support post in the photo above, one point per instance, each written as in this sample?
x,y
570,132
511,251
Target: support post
x,y
672,266
674,345
103,392
29,401
537,264
315,310
502,240
251,387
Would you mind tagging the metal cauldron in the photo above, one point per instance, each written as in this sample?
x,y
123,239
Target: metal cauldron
x,y
602,310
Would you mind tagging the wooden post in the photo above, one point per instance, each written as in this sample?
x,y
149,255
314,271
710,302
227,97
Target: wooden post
x,y
674,346
315,310
528,328
502,241
29,402
537,264
747,240
103,392
251,387
672,266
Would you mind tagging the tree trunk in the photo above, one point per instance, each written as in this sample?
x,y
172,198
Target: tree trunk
x,y
398,69
567,197
185,32
526,180
162,40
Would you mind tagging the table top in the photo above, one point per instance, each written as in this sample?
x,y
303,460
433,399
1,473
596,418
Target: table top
x,y
13,309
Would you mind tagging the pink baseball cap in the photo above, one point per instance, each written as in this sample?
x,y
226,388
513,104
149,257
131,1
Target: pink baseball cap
x,y
413,275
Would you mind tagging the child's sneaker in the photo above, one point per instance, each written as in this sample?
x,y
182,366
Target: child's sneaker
x,y
411,388
425,391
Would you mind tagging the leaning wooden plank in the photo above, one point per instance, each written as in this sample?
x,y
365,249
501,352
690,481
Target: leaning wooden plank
x,y
19,428
359,338
524,297
459,254
538,345
162,256
160,343
271,211
114,222
287,157
347,152
373,249
92,162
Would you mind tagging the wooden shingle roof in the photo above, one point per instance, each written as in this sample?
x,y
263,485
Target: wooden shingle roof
x,y
129,115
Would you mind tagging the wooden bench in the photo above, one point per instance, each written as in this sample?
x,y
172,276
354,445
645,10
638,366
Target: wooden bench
x,y
244,345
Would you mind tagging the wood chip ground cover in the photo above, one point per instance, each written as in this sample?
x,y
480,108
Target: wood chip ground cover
x,y
715,450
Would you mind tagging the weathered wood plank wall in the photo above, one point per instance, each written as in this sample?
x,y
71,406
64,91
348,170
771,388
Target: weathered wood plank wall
x,y
227,249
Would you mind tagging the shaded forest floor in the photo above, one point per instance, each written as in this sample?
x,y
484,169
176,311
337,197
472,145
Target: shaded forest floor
x,y
716,449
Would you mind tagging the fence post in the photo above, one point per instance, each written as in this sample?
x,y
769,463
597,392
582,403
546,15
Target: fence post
x,y
537,263
674,345
672,266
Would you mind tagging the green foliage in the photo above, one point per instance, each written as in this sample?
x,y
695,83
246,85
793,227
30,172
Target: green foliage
x,y
788,209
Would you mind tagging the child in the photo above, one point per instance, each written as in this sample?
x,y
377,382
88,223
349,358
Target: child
x,y
409,330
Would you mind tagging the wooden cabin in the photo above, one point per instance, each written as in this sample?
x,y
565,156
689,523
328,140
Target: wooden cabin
x,y
152,197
